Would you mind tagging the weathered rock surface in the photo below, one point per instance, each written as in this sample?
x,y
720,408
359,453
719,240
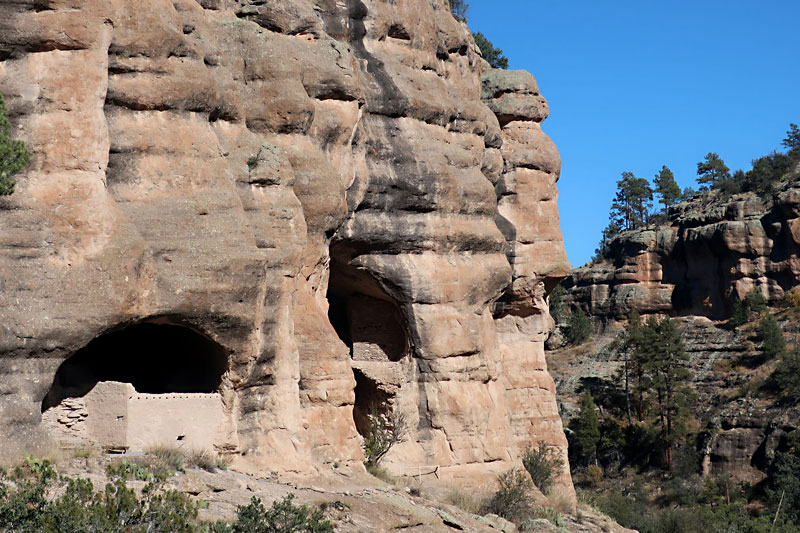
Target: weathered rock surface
x,y
707,255
338,203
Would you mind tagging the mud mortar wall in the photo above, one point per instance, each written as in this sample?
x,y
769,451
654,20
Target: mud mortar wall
x,y
215,163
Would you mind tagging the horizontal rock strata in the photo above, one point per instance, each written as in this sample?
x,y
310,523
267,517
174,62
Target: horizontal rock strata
x,y
708,254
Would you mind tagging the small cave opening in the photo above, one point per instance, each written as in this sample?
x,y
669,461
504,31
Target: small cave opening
x,y
370,322
365,317
156,357
370,400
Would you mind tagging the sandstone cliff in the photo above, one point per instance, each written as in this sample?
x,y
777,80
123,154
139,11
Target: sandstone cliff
x,y
708,253
312,208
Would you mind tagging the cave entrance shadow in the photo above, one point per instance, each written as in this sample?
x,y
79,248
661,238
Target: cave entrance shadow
x,y
155,356
369,321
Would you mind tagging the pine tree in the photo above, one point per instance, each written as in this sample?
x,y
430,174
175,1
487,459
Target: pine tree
x,y
755,301
786,377
632,202
664,359
13,154
792,140
579,327
666,187
556,303
711,171
771,335
740,314
626,346
494,56
611,231
587,428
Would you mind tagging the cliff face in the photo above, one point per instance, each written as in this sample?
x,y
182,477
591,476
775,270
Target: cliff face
x,y
706,256
318,209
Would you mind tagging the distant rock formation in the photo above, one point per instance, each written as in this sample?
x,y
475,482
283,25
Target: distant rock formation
x,y
317,209
708,254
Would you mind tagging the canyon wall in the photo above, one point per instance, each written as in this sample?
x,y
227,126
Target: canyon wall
x,y
708,253
324,210
693,265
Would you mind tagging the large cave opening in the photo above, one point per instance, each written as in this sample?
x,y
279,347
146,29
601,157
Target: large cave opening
x,y
155,356
370,322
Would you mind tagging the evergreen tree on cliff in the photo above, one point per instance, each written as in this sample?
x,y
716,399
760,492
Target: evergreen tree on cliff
x,y
711,171
664,359
632,202
587,428
491,54
667,188
13,154
792,140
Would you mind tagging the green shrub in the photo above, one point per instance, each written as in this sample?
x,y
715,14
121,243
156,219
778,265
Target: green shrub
x,y
771,335
513,499
27,507
24,506
13,154
754,302
556,303
283,517
579,327
786,377
543,464
383,431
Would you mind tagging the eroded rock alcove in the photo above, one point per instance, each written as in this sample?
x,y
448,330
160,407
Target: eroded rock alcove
x,y
153,383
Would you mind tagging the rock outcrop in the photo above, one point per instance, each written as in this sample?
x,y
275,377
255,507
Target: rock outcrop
x,y
324,209
708,254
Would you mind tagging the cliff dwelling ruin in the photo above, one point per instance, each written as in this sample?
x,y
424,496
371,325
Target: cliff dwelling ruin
x,y
371,324
147,384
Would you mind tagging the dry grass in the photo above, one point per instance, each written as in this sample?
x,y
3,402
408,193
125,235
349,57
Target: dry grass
x,y
45,450
203,459
561,500
84,452
171,456
464,501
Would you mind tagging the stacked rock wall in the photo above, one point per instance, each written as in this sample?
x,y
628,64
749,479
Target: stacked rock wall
x,y
288,179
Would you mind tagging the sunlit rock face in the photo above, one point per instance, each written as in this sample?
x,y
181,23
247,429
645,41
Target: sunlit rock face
x,y
705,257
341,197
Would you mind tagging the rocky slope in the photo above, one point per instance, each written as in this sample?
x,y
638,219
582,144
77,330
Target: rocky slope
x,y
739,429
313,208
706,255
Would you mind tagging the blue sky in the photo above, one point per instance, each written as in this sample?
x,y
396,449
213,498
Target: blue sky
x,y
636,85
